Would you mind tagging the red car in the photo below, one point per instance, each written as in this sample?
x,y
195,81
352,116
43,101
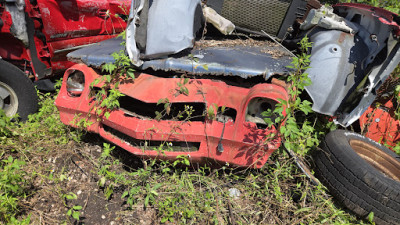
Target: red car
x,y
234,79
36,37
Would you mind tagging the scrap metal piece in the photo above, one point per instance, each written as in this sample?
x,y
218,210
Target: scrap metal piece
x,y
18,27
379,123
131,48
97,54
171,26
334,69
240,61
347,69
244,143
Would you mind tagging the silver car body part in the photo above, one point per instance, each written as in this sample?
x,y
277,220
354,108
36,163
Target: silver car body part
x,y
170,28
18,27
131,48
347,69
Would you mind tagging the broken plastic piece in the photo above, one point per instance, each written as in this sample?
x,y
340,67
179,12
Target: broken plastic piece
x,y
223,25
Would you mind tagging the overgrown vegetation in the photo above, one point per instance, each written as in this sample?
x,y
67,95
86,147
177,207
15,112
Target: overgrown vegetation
x,y
23,147
42,158
391,5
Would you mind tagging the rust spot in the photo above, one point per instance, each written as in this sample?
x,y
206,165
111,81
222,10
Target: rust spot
x,y
342,37
281,83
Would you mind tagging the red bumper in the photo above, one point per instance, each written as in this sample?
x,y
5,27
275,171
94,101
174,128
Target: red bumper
x,y
244,144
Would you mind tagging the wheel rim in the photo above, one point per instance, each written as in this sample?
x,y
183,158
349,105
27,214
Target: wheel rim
x,y
8,100
377,158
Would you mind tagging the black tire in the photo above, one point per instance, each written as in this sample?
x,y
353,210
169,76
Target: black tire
x,y
361,174
17,93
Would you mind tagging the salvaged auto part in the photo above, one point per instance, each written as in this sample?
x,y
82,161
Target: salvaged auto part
x,y
346,69
223,58
231,138
170,27
17,93
362,174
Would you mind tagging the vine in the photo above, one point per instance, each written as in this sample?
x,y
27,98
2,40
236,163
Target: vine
x,y
301,128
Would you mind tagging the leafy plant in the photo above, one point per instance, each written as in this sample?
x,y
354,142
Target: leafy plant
x,y
106,98
391,5
298,125
12,186
73,211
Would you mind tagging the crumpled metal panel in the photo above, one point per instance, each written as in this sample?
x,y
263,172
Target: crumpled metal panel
x,y
171,26
67,19
97,54
238,61
334,69
346,70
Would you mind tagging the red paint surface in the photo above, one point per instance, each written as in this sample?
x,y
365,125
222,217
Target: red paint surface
x,y
380,124
60,27
6,18
66,19
244,144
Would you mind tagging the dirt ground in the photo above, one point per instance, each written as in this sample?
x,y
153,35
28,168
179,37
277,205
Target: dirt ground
x,y
78,165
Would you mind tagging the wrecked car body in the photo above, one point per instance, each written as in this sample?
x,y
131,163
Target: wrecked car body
x,y
354,51
203,95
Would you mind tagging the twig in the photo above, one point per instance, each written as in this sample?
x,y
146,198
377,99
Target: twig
x,y
231,218
303,167
277,42
86,202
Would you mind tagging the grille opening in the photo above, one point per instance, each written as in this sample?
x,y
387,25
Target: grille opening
x,y
229,114
146,145
178,111
75,83
95,90
255,111
261,126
